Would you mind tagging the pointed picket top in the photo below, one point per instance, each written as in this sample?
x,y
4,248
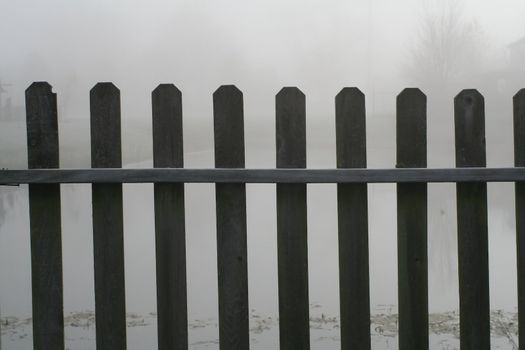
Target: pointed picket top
x,y
229,98
42,126
469,120
292,99
228,119
105,126
290,128
414,91
290,92
350,92
105,94
470,101
167,127
409,94
103,89
166,88
351,100
227,89
411,128
42,86
520,94
350,122
412,100
469,98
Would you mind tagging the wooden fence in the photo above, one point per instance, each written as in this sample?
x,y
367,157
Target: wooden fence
x,y
291,177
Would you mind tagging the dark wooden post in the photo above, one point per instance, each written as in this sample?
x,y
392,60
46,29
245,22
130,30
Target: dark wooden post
x,y
108,231
44,217
170,241
412,258
519,161
231,221
352,205
294,327
469,111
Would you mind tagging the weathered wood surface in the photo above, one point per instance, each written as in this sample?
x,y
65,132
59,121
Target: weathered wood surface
x,y
170,239
294,327
45,220
291,178
412,265
108,232
341,175
232,260
469,117
519,160
352,209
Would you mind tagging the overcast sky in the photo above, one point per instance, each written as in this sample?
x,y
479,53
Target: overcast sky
x,y
319,46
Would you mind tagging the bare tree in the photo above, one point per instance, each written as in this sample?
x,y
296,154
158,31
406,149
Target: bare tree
x,y
448,49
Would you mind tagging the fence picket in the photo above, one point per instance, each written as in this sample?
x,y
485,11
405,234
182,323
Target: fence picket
x,y
352,207
519,161
231,221
292,245
412,257
45,220
170,240
108,235
230,177
469,120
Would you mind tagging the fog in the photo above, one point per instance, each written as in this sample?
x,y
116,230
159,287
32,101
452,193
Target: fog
x,y
379,46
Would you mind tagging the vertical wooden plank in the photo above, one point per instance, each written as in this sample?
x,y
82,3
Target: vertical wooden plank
x,y
469,117
231,221
519,161
170,240
45,220
108,230
294,328
352,207
411,132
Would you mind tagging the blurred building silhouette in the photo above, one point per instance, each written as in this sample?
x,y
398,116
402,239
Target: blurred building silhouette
x,y
507,80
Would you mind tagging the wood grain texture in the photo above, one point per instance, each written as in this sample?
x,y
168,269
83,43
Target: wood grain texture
x,y
411,131
232,254
108,228
294,328
469,117
170,239
519,160
45,220
352,209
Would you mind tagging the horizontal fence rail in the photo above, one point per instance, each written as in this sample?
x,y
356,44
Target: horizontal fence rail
x,y
232,175
291,175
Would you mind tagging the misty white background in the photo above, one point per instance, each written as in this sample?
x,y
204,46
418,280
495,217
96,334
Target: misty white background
x,y
260,46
